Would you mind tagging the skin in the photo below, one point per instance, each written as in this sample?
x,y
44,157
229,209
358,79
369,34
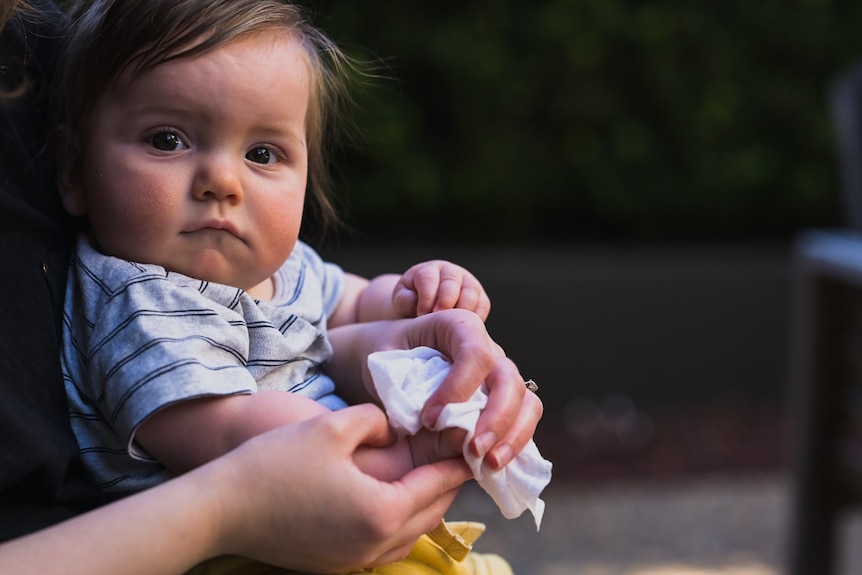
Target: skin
x,y
425,288
197,168
194,166
511,415
289,515
292,515
328,517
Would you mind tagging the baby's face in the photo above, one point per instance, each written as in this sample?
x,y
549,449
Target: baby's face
x,y
200,164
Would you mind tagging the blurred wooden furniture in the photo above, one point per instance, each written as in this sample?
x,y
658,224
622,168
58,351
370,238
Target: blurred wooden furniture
x,y
826,358
826,408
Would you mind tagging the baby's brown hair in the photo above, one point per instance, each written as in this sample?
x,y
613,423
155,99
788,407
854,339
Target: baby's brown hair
x,y
112,37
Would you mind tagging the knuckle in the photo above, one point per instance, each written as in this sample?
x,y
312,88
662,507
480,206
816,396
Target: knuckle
x,y
535,403
380,522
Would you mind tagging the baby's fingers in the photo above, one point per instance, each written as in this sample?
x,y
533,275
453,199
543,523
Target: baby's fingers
x,y
405,301
473,297
440,285
460,289
425,279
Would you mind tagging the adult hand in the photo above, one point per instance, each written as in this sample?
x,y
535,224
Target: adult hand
x,y
509,421
291,497
511,416
300,501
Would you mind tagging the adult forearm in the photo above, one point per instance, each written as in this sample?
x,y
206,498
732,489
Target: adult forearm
x,y
291,497
165,530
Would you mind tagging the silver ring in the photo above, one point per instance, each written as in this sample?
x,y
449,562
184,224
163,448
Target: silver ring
x,y
531,385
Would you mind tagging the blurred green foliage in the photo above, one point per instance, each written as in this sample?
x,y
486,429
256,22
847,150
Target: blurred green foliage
x,y
594,119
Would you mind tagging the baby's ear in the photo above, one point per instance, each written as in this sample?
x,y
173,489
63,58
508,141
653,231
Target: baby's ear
x,y
69,183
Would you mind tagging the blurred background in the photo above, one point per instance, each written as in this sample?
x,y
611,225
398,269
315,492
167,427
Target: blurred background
x,y
594,120
627,179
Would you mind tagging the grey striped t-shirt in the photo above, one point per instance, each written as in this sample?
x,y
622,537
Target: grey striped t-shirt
x,y
137,338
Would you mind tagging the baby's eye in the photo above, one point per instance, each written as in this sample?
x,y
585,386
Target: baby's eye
x,y
167,141
262,155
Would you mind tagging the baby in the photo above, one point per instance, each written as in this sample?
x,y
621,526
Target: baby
x,y
188,134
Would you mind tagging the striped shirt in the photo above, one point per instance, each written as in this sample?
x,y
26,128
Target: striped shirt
x,y
137,338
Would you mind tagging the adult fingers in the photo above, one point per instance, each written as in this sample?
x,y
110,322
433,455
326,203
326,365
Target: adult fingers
x,y
517,436
425,493
506,393
461,336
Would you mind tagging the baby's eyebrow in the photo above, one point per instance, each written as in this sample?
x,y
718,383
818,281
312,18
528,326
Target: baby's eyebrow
x,y
270,131
159,109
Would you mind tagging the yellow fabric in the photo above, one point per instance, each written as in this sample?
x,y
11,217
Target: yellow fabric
x,y
453,544
446,550
429,556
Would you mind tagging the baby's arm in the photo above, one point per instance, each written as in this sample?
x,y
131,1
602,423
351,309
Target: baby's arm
x,y
190,433
425,288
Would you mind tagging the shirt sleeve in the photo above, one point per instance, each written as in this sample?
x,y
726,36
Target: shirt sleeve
x,y
145,342
330,275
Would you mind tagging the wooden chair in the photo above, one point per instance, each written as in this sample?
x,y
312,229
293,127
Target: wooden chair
x,y
825,367
826,394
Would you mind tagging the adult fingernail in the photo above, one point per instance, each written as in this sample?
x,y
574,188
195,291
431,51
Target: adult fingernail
x,y
483,443
501,456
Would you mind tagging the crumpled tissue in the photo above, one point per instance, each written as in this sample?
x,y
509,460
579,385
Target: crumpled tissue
x,y
405,379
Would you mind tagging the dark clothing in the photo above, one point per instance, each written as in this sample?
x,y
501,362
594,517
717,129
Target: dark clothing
x,y
41,479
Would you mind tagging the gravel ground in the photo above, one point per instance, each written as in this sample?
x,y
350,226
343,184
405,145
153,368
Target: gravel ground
x,y
733,524
705,492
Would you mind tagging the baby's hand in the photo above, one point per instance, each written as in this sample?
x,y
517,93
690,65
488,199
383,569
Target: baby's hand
x,y
439,285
